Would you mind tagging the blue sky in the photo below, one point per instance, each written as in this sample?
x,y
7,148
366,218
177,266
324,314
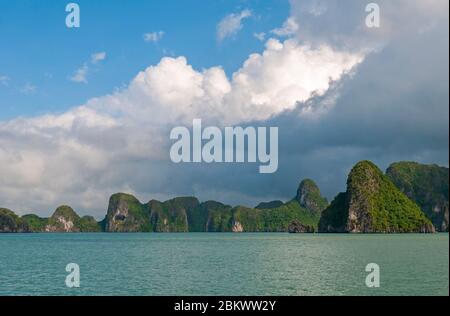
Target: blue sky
x,y
38,51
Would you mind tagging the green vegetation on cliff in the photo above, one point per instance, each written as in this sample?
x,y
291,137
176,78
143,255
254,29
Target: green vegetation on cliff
x,y
187,214
305,208
35,223
279,219
63,220
269,205
219,217
88,224
11,223
309,197
66,220
209,216
183,214
126,214
428,186
373,204
334,218
172,215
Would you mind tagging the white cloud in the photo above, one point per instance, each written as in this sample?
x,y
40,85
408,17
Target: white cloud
x,y
82,156
290,27
260,36
28,88
97,57
231,24
4,80
267,84
80,74
153,36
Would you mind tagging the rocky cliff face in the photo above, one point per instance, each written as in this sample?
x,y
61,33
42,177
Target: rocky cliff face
x,y
296,227
373,204
187,214
63,220
236,227
210,216
428,186
304,210
11,223
172,215
126,214
309,197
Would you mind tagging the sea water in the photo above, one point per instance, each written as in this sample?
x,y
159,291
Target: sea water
x,y
223,264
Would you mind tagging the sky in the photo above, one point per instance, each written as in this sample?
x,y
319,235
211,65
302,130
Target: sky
x,y
87,112
40,54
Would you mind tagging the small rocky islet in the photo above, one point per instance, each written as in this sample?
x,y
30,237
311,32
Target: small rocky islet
x,y
408,198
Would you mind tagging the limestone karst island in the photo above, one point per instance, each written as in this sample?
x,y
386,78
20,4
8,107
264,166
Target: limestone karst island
x,y
408,198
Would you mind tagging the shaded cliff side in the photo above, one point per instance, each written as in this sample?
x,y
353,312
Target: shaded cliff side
x,y
428,186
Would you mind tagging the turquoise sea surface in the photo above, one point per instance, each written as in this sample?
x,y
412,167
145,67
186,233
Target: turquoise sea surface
x,y
223,264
